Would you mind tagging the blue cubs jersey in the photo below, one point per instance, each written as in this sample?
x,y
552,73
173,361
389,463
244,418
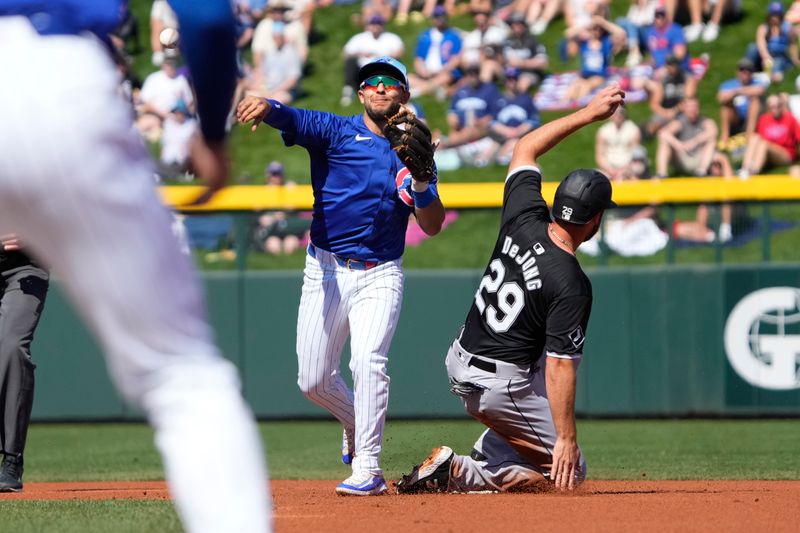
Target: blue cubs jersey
x,y
470,102
513,110
359,212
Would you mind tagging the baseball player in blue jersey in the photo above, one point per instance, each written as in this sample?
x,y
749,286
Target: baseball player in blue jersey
x,y
353,284
76,186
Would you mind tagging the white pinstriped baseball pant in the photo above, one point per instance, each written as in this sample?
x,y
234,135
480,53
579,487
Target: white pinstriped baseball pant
x,y
77,186
365,304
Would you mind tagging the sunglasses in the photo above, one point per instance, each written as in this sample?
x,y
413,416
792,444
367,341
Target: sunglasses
x,y
391,84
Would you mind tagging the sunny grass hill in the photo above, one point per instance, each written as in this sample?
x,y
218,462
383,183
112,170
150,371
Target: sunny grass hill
x,y
468,241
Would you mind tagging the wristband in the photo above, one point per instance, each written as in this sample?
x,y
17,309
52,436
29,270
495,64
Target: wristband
x,y
423,199
419,186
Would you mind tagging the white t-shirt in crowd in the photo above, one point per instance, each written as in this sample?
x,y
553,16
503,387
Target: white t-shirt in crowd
x,y
365,46
175,140
475,40
163,92
263,42
619,142
164,13
433,61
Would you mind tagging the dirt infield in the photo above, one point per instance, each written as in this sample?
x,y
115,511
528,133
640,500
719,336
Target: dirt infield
x,y
302,506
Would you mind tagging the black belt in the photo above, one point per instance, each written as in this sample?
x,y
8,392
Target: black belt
x,y
483,365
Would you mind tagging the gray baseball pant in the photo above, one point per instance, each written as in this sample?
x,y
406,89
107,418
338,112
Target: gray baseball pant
x,y
22,295
515,452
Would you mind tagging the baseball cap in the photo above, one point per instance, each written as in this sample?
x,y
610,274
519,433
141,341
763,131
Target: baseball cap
x,y
439,11
661,10
276,167
376,19
517,18
384,65
512,73
746,64
583,193
775,8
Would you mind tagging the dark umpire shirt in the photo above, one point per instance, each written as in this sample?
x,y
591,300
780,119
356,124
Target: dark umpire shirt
x,y
533,297
14,259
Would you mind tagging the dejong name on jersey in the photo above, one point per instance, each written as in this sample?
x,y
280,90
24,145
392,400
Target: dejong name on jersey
x,y
530,272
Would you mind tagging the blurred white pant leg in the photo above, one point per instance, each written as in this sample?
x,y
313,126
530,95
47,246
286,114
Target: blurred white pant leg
x,y
76,185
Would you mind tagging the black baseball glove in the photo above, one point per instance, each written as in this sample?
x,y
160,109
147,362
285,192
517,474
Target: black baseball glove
x,y
411,139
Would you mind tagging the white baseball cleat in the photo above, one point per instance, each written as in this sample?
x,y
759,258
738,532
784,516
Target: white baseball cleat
x,y
362,484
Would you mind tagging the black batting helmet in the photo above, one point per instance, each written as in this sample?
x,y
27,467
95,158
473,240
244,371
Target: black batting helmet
x,y
583,193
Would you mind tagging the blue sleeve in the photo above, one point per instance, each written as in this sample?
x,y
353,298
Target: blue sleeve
x,y
423,44
676,35
304,127
456,39
728,84
208,41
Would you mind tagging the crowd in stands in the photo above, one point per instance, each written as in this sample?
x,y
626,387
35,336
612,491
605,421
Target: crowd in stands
x,y
489,73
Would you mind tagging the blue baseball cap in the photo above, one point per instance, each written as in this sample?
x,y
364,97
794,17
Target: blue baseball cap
x,y
384,65
775,8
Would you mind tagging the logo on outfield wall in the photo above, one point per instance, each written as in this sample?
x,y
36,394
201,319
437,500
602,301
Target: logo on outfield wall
x,y
762,338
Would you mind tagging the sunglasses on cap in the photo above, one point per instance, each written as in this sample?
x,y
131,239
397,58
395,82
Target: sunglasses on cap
x,y
391,84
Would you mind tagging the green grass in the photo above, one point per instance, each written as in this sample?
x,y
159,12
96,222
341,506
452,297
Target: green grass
x,y
629,449
88,516
464,244
626,450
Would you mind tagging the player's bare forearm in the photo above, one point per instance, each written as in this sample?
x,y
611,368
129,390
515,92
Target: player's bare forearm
x,y
541,140
560,375
431,217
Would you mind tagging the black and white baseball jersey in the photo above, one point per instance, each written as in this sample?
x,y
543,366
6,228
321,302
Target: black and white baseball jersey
x,y
533,297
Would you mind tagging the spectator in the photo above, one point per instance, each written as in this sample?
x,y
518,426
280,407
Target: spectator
x,y
740,102
641,15
524,52
580,14
276,74
689,141
293,31
666,93
179,127
516,115
482,46
775,48
615,144
161,17
715,10
775,142
664,39
279,232
363,47
437,57
699,230
471,112
596,45
160,94
377,8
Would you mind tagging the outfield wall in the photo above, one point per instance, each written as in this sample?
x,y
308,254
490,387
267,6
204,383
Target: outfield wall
x,y
656,344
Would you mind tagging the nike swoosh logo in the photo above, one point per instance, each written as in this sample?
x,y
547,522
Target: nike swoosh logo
x,y
362,137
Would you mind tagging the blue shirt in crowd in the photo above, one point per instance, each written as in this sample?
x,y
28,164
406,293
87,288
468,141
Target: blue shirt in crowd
x,y
470,103
661,43
741,103
517,109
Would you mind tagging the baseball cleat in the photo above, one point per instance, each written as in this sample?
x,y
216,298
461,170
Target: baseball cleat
x,y
348,446
433,475
11,474
362,484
